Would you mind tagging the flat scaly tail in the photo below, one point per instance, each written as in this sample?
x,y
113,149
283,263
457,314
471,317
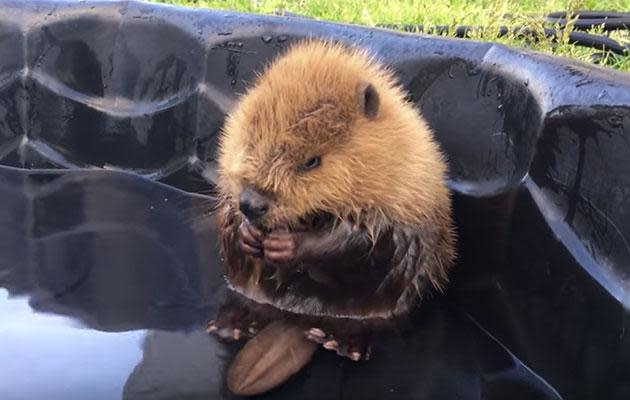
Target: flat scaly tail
x,y
269,359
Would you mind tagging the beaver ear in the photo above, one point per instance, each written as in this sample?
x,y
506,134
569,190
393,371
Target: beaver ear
x,y
369,100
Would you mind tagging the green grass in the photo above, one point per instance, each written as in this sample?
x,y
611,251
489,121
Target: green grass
x,y
487,13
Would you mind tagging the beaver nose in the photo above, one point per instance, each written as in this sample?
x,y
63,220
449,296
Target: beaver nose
x,y
253,204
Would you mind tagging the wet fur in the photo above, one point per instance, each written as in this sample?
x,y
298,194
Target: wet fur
x,y
388,238
386,172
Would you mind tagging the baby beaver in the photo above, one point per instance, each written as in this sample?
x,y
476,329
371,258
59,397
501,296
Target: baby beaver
x,y
334,215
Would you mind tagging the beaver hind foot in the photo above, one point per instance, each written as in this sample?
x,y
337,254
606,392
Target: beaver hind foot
x,y
355,346
235,321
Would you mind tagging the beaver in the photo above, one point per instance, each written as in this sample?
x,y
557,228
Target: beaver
x,y
333,211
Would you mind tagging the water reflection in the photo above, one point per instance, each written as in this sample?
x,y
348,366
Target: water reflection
x,y
178,365
48,356
115,277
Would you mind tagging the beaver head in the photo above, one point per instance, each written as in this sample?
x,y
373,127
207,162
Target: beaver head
x,y
326,129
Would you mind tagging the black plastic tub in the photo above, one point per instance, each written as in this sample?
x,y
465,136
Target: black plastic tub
x,y
108,268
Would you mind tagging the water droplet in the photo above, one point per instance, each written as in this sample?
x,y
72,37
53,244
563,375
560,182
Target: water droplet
x,y
602,94
499,107
233,82
239,44
474,70
282,38
450,72
152,207
267,39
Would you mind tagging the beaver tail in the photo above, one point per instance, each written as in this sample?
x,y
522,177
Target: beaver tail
x,y
276,353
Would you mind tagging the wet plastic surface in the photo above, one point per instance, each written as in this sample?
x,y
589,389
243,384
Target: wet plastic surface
x,y
108,265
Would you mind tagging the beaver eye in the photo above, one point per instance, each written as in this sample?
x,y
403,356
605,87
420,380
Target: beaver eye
x,y
312,163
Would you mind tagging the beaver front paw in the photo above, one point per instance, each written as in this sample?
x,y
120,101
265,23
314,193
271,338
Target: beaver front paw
x,y
250,239
282,248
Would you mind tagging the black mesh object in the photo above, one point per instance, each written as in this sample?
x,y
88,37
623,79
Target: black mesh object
x,y
585,20
109,114
582,21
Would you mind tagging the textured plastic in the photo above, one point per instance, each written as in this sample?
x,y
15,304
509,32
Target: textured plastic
x,y
109,113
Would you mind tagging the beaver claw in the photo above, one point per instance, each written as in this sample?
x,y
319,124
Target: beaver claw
x,y
230,334
234,323
354,347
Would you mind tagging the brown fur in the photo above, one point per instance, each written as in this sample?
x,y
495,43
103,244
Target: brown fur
x,y
381,181
305,103
385,171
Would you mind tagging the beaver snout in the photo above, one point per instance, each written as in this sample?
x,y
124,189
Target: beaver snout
x,y
253,204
